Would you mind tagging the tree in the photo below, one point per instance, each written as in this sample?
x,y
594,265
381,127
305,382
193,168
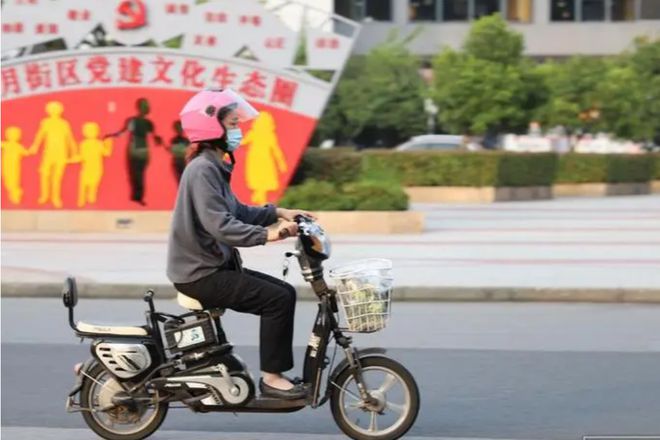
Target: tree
x,y
618,95
572,86
379,99
621,100
645,62
488,87
490,39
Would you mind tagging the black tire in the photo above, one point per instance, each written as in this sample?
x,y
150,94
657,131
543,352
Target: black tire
x,y
383,363
96,372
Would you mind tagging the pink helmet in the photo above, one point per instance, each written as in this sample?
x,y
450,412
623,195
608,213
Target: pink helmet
x,y
199,117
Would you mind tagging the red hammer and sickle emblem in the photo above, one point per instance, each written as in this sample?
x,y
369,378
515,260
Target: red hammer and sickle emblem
x,y
132,14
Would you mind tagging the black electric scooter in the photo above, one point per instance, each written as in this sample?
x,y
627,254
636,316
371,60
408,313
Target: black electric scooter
x,y
136,372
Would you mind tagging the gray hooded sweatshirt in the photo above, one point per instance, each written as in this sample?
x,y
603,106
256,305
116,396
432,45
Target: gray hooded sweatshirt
x,y
208,221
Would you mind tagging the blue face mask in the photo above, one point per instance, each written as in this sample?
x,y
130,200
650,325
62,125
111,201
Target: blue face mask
x,y
234,138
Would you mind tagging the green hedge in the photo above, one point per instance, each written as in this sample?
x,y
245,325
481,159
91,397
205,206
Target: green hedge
x,y
605,168
526,169
582,168
486,168
629,168
338,165
363,196
656,160
431,169
462,168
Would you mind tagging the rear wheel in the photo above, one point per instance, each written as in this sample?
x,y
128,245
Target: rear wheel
x,y
393,413
124,422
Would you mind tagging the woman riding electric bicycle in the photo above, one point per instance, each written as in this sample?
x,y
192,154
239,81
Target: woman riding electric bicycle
x,y
209,223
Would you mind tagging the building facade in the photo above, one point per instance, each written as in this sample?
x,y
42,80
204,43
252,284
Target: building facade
x,y
551,28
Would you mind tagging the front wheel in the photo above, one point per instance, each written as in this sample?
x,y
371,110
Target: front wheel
x,y
395,406
133,422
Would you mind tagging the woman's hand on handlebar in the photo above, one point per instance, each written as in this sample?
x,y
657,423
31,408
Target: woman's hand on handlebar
x,y
290,214
280,231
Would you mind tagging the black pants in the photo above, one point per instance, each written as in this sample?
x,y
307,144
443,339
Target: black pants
x,y
260,294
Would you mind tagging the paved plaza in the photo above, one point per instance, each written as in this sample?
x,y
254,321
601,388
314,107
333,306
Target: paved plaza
x,y
607,244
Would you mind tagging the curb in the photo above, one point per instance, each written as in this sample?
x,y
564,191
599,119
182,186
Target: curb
x,y
403,293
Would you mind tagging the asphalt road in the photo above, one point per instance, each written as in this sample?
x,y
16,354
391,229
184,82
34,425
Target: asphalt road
x,y
518,371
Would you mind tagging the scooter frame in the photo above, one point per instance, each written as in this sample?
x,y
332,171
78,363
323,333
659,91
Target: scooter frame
x,y
326,326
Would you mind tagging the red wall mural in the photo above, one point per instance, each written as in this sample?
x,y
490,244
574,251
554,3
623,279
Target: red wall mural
x,y
91,159
90,122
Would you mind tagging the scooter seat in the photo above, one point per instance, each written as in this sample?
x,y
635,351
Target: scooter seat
x,y
188,302
101,329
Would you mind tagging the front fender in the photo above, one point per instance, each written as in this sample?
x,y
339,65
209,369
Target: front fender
x,y
360,354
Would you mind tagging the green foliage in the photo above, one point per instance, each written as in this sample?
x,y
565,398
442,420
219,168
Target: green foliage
x,y
645,61
622,92
337,165
476,95
364,196
623,168
605,168
621,99
376,177
582,168
315,195
426,168
491,39
379,98
572,85
526,169
488,87
377,196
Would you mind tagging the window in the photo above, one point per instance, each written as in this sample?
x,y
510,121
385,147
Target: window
x,y
422,10
379,10
562,10
519,10
593,10
623,10
485,7
650,10
344,8
455,10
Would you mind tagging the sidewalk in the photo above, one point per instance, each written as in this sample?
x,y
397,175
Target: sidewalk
x,y
605,249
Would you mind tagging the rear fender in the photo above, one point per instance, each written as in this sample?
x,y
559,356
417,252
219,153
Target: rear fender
x,y
73,404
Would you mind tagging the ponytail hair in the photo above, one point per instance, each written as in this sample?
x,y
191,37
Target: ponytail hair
x,y
193,151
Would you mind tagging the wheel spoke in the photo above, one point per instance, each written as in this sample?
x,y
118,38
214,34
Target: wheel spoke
x,y
373,425
395,407
390,380
352,407
350,393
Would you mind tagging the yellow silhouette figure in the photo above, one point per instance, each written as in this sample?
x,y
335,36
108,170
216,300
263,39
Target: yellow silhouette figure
x,y
264,161
59,149
12,155
92,152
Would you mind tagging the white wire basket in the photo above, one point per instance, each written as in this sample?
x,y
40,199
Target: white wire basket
x,y
364,289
